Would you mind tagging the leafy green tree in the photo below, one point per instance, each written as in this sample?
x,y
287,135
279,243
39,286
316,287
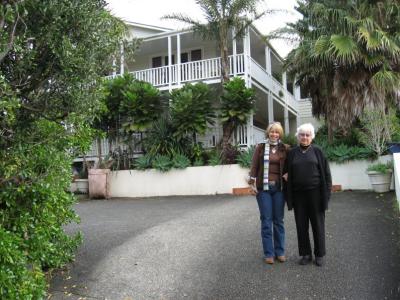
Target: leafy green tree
x,y
191,109
237,104
53,55
347,57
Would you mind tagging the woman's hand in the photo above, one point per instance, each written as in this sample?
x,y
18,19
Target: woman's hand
x,y
285,176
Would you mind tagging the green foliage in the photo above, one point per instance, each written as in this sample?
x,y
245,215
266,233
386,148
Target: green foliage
x,y
191,109
160,140
289,139
347,56
237,102
17,281
143,162
180,161
381,167
378,128
342,153
52,57
198,162
162,163
245,157
130,104
214,158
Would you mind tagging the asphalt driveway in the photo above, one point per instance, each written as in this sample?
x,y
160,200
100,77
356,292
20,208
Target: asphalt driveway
x,y
209,248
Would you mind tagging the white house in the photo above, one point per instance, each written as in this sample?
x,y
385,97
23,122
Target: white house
x,y
170,58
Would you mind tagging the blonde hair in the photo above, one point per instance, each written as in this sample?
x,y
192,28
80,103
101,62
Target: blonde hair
x,y
274,126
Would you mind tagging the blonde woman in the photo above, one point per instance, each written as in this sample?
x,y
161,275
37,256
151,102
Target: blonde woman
x,y
266,177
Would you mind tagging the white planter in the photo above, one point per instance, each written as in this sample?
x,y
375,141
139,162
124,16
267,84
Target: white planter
x,y
80,186
380,182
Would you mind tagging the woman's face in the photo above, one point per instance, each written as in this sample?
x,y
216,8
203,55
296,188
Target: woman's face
x,y
304,138
273,135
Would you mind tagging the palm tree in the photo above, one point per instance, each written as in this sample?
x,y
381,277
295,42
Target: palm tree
x,y
222,16
347,58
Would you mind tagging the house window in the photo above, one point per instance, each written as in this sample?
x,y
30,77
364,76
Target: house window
x,y
184,57
166,60
156,62
195,55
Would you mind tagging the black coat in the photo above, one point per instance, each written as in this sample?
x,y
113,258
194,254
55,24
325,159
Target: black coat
x,y
326,178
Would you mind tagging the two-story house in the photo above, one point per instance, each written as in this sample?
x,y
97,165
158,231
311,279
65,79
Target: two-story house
x,y
168,59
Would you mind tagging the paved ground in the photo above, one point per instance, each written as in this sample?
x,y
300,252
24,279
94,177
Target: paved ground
x,y
209,248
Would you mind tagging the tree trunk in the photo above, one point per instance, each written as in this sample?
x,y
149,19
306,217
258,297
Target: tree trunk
x,y
228,129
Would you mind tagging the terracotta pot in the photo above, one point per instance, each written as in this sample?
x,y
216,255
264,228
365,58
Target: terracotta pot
x,y
99,183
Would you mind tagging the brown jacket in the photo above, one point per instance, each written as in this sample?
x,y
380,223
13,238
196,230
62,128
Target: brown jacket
x,y
257,165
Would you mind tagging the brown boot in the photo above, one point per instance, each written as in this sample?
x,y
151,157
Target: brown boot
x,y
269,260
281,258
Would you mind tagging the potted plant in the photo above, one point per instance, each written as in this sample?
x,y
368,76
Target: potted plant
x,y
380,176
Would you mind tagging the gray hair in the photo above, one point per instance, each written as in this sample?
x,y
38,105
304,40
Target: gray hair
x,y
306,128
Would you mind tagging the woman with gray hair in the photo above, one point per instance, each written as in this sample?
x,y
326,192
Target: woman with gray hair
x,y
308,191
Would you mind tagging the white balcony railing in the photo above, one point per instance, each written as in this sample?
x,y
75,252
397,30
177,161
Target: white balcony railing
x,y
190,71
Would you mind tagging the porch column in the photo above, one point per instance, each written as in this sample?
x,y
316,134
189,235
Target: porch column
x,y
268,67
270,108
114,66
178,59
284,81
297,91
247,55
286,117
122,62
234,52
169,64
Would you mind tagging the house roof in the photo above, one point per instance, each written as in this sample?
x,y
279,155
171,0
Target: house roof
x,y
147,26
168,31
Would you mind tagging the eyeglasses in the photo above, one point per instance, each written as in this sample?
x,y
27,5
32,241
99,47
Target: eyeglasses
x,y
302,134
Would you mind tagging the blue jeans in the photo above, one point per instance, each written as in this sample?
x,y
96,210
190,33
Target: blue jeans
x,y
272,206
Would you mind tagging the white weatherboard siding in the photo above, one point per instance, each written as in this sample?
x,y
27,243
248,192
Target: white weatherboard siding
x,y
305,113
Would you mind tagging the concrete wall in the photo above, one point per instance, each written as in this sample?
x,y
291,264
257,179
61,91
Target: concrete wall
x,y
352,175
207,180
211,180
396,158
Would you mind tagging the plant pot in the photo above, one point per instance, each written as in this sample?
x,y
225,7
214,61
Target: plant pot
x,y
98,183
380,181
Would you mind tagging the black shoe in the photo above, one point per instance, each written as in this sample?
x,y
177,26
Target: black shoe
x,y
319,261
306,259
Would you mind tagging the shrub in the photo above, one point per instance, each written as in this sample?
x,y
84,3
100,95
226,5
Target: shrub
x,y
198,162
289,139
214,158
381,167
180,161
143,162
162,163
245,157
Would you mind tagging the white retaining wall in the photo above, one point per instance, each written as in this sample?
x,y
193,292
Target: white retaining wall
x,y
352,175
207,180
211,180
396,158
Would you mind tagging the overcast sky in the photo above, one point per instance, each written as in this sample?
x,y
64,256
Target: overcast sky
x,y
151,11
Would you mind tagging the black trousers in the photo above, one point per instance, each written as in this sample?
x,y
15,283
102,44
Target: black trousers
x,y
308,209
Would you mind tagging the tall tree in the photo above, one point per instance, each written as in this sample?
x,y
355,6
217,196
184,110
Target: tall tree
x,y
222,16
53,55
348,56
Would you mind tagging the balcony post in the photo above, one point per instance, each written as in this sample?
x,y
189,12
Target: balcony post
x,y
234,52
169,64
270,108
178,59
114,66
297,91
284,82
122,61
268,60
286,117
